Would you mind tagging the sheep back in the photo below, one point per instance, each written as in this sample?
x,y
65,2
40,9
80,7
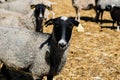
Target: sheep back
x,y
82,4
9,18
19,49
104,3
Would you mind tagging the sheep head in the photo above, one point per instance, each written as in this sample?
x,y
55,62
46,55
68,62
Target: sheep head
x,y
62,30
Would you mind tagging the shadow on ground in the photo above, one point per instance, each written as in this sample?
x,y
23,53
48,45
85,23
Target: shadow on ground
x,y
109,27
91,19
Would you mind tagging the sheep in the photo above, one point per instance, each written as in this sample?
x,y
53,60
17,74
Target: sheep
x,y
82,4
40,10
38,14
14,19
102,5
37,54
115,14
79,5
22,6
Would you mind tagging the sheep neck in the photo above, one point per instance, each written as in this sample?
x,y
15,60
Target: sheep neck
x,y
57,57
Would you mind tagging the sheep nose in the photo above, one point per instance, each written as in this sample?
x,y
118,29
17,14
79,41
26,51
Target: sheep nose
x,y
62,44
40,18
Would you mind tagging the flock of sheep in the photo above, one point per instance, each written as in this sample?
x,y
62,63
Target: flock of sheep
x,y
30,50
24,45
113,6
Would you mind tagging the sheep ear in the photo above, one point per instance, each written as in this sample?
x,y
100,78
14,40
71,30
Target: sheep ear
x,y
49,8
74,22
49,22
32,6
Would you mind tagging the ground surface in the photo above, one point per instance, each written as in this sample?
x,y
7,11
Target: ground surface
x,y
95,53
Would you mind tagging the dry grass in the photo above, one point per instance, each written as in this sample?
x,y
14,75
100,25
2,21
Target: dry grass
x,y
94,54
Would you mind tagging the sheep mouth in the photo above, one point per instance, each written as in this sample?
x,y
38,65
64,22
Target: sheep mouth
x,y
40,18
62,46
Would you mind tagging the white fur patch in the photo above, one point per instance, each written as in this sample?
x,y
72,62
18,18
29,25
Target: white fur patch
x,y
118,28
64,18
40,15
80,28
62,41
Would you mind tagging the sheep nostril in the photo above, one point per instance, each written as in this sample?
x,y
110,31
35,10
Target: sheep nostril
x,y
40,18
62,45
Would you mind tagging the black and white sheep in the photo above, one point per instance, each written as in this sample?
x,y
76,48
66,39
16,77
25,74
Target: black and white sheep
x,y
39,16
102,5
115,15
41,11
38,53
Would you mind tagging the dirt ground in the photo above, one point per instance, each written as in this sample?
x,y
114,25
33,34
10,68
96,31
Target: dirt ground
x,y
95,53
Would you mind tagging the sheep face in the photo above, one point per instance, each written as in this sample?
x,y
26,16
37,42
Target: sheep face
x,y
39,15
39,11
62,30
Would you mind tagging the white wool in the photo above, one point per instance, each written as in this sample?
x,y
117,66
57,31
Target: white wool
x,y
64,18
14,19
9,18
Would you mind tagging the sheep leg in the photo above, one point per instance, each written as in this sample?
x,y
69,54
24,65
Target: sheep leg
x,y
101,16
113,23
97,16
118,28
50,77
77,14
5,72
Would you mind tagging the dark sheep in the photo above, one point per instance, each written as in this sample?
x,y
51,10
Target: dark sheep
x,y
39,16
115,15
